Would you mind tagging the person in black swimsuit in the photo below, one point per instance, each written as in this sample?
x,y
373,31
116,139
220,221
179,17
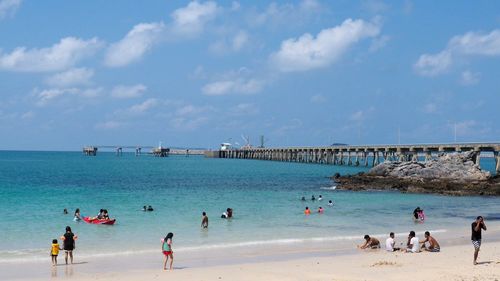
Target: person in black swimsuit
x,y
68,244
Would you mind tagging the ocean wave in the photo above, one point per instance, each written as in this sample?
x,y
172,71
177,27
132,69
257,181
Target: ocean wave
x,y
23,256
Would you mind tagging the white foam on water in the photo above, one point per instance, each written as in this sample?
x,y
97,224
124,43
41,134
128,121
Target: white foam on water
x,y
35,255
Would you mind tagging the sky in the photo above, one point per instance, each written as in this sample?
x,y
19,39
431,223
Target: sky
x,y
199,73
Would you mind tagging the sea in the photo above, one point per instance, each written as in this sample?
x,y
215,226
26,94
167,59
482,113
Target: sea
x,y
35,188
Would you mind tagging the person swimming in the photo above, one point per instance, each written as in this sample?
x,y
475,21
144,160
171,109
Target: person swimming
x,y
330,203
320,198
65,211
303,198
150,208
307,211
144,208
415,213
77,216
313,198
320,210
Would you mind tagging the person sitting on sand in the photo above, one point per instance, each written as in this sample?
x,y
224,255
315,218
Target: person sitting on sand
x,y
204,220
390,243
307,211
413,243
330,203
166,247
320,210
433,244
370,243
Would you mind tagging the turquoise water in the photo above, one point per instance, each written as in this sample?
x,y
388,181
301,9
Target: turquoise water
x,y
35,187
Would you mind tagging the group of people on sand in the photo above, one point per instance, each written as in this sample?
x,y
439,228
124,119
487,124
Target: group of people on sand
x,y
429,244
320,210
413,243
69,244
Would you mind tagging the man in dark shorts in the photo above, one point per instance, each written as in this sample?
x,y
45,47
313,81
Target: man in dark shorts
x,y
477,226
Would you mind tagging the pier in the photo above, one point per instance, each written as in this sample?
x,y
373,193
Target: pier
x,y
155,151
359,155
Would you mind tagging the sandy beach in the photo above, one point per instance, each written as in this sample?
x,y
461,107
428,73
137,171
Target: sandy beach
x,y
283,263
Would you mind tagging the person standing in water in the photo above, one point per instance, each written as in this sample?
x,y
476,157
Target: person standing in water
x,y
204,220
69,239
477,226
166,247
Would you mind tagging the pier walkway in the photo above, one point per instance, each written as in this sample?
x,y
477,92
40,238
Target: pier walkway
x,y
360,155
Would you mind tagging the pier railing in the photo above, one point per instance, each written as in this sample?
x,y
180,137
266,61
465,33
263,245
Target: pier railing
x,y
360,155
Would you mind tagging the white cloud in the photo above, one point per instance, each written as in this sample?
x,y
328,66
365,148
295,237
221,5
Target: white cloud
x,y
108,125
245,109
71,77
357,116
470,78
134,45
240,40
432,65
127,92
225,87
468,44
285,14
430,108
379,42
308,52
9,7
47,96
190,20
144,106
60,56
318,98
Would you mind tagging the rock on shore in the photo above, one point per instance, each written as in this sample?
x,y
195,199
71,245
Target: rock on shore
x,y
451,174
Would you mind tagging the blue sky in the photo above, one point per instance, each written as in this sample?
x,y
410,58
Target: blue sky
x,y
198,73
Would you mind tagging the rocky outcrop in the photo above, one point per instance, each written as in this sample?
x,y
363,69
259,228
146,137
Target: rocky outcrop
x,y
452,167
452,174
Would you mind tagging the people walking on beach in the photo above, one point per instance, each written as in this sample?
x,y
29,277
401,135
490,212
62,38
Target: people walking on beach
x,y
390,243
166,247
54,251
69,239
477,226
433,244
412,246
370,243
204,220
307,211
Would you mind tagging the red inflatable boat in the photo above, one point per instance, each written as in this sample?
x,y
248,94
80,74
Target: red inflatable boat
x,y
97,221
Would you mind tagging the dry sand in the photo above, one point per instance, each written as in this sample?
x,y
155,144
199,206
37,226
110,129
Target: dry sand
x,y
453,263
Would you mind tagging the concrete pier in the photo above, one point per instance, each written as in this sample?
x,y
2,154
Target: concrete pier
x,y
360,154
